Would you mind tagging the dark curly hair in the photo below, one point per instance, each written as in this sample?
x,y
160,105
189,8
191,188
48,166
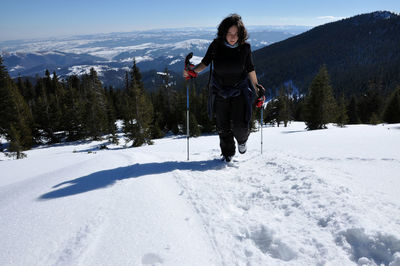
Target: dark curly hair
x,y
229,21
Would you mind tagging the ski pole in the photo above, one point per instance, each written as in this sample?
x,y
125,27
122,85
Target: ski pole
x,y
187,66
187,118
261,123
260,104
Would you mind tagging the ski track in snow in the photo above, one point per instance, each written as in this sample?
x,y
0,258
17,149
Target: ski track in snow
x,y
237,209
234,195
75,247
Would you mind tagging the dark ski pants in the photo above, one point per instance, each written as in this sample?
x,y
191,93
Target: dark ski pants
x,y
231,122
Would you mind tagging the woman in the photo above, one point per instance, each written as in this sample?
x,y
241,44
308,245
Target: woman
x,y
231,92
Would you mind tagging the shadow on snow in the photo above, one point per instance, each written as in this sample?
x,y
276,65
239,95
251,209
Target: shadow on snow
x,y
105,178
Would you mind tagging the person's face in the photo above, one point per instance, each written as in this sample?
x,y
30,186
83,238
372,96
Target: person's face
x,y
232,36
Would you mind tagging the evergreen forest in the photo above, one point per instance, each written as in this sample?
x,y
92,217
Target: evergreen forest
x,y
55,110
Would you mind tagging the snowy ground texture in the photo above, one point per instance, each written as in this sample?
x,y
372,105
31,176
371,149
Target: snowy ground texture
x,y
326,197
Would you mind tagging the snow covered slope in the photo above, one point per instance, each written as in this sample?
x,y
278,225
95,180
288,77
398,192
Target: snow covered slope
x,y
327,197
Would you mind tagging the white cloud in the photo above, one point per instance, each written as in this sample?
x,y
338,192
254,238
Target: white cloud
x,y
330,17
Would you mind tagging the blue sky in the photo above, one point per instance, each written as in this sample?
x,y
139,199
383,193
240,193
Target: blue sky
x,y
23,19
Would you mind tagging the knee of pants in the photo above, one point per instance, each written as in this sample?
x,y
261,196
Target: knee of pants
x,y
241,133
225,133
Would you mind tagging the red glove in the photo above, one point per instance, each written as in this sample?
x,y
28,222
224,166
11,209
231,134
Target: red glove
x,y
191,72
260,101
260,96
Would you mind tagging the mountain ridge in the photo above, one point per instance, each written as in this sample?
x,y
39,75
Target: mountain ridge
x,y
357,51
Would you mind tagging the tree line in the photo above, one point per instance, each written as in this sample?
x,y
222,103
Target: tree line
x,y
55,110
322,106
80,108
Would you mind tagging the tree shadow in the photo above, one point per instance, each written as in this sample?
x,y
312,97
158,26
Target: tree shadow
x,y
105,178
293,131
62,144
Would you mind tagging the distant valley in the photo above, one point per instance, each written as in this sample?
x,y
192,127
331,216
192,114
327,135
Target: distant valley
x,y
112,54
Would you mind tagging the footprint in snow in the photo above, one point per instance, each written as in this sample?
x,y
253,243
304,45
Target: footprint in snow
x,y
151,259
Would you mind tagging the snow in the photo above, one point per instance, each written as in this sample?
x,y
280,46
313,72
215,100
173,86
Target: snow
x,y
383,14
17,67
325,197
175,61
196,60
110,53
85,69
60,47
138,59
201,44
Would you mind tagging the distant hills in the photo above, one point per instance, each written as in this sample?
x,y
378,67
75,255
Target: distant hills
x,y
112,54
361,53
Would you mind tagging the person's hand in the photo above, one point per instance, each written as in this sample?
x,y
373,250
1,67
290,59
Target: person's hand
x,y
185,73
260,96
189,73
260,90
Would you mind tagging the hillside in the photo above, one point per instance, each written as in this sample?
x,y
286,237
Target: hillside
x,y
312,198
360,52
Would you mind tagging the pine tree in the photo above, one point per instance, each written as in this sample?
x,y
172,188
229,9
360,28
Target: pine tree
x,y
21,87
53,110
45,113
194,112
23,120
73,110
298,108
180,113
370,102
5,108
95,107
57,102
167,97
164,101
194,129
29,93
15,116
392,110
271,113
352,111
342,118
204,120
139,111
111,118
374,120
155,130
283,106
320,108
26,90
15,146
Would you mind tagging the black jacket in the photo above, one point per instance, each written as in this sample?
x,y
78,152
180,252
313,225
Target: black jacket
x,y
230,73
231,65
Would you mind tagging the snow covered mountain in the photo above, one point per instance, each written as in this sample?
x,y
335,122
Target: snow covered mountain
x,y
323,197
114,52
